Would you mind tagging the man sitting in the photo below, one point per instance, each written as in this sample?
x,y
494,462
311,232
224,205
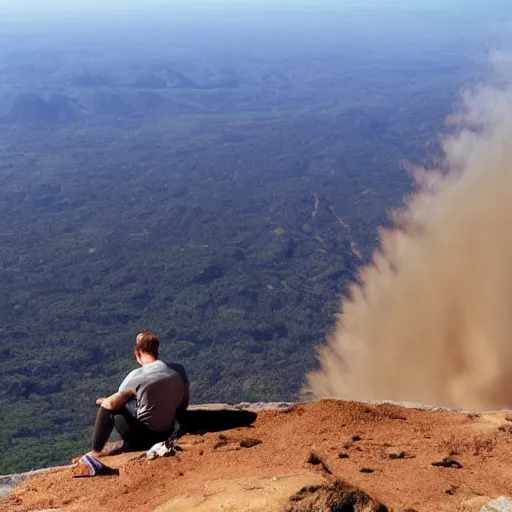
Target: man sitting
x,y
149,400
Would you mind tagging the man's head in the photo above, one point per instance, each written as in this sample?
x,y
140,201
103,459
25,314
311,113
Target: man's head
x,y
146,346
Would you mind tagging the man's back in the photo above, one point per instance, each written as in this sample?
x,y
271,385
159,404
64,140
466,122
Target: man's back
x,y
160,391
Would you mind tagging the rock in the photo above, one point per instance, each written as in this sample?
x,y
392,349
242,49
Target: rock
x,y
452,490
249,443
393,453
474,504
223,441
246,406
250,482
502,504
332,497
253,494
447,462
4,490
315,460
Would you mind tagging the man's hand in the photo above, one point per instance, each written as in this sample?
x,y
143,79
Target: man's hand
x,y
99,401
117,400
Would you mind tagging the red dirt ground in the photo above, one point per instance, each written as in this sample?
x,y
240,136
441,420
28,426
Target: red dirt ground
x,y
482,444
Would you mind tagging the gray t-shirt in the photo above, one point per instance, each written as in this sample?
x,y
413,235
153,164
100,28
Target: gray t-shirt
x,y
160,391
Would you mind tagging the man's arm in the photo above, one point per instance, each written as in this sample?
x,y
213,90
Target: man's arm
x,y
117,400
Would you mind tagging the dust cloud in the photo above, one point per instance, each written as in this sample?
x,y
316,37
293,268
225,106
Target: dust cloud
x,y
430,320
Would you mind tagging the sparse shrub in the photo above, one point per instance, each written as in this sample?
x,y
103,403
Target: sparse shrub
x,y
507,429
455,445
476,445
484,444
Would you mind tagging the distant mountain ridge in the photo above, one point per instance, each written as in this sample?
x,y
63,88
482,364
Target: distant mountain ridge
x,y
31,108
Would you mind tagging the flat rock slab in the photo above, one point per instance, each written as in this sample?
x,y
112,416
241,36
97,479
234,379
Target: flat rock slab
x,y
247,494
245,406
292,493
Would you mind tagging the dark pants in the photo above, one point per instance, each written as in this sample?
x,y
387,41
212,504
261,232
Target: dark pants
x,y
134,433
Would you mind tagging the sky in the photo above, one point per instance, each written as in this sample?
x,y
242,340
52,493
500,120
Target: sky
x,y
124,5
99,5
86,11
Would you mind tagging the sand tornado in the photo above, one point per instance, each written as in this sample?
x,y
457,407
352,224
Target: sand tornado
x,y
431,319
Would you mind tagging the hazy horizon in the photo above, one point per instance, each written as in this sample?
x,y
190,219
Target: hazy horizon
x,y
233,23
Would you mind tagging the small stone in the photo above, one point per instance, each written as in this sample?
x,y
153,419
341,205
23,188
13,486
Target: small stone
x,y
447,462
393,453
314,459
249,443
223,441
367,470
343,455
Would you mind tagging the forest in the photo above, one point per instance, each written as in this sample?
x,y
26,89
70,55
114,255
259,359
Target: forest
x,y
222,192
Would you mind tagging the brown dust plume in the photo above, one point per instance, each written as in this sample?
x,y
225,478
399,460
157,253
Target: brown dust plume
x,y
431,319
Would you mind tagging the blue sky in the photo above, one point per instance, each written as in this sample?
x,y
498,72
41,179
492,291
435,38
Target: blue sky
x,y
39,9
99,5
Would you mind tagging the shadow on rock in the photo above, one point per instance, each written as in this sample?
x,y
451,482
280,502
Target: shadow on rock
x,y
200,421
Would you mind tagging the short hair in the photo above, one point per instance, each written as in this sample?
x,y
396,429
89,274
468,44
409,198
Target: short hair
x,y
148,343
